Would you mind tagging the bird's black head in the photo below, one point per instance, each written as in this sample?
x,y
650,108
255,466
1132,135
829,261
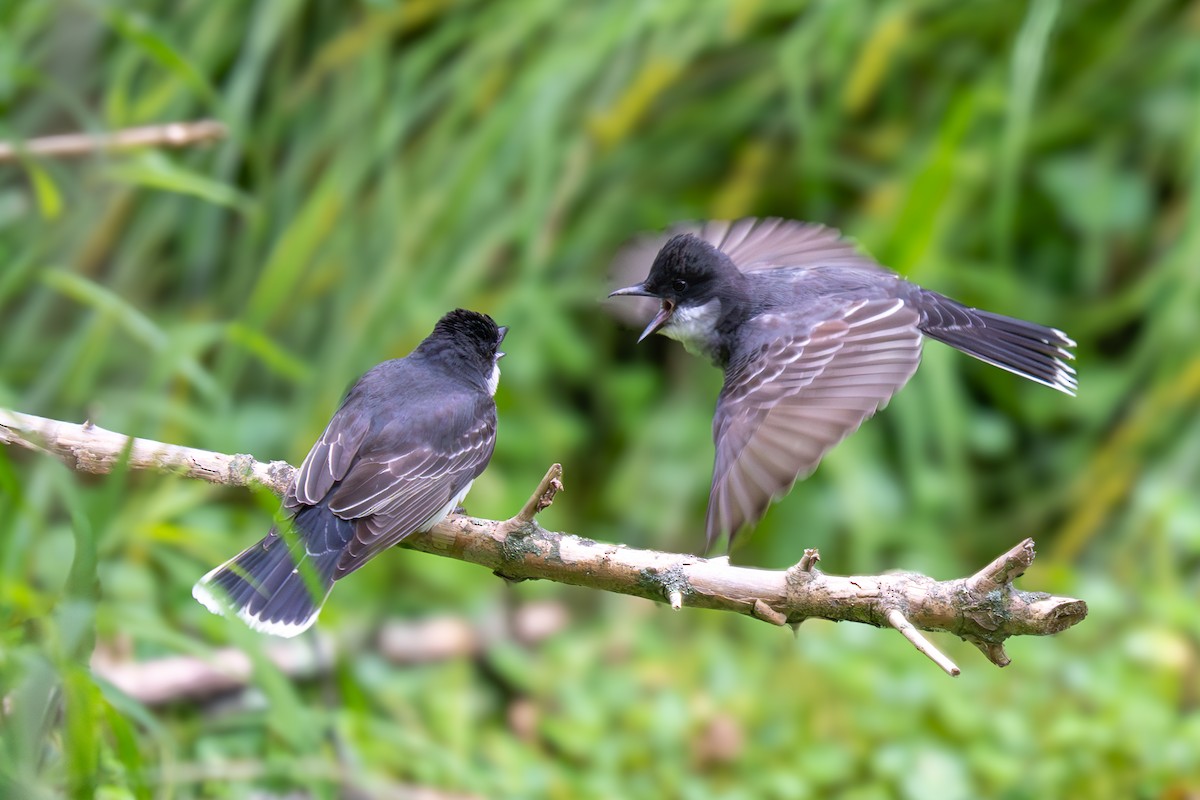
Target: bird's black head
x,y
467,336
688,273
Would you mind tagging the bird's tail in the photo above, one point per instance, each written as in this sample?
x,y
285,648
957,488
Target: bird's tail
x,y
1032,351
277,586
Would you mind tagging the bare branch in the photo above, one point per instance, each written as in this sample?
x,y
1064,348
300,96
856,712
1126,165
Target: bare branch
x,y
90,448
71,145
984,609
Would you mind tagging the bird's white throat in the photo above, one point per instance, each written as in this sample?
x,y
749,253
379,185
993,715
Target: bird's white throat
x,y
695,327
494,380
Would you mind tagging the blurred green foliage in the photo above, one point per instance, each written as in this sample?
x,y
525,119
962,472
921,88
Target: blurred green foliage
x,y
391,160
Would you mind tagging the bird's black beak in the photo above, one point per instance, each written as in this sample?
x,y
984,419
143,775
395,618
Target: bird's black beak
x,y
637,290
503,332
665,310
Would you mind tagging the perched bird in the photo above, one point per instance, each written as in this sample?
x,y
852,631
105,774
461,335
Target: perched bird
x,y
813,337
398,456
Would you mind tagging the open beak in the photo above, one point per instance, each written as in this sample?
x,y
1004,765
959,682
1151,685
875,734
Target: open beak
x,y
665,310
503,332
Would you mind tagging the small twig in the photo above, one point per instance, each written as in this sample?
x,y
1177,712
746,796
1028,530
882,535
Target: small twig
x,y
1004,569
984,609
71,145
897,620
993,651
543,495
809,560
767,614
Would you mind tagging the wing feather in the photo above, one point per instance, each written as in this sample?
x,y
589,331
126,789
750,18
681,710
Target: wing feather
x,y
786,404
392,498
751,243
330,458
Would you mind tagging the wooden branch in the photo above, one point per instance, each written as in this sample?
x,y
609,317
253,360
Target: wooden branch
x,y
984,609
89,448
71,145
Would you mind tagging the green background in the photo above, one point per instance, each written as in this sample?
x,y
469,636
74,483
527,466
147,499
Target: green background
x,y
389,161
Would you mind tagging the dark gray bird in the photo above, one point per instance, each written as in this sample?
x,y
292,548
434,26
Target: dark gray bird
x,y
814,337
398,456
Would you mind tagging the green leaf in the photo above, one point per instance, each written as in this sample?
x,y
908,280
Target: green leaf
x,y
154,170
49,199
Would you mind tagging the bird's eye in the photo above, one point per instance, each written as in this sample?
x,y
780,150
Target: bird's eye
x,y
679,285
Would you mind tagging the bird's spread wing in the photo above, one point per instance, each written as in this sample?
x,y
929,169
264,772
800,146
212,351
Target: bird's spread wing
x,y
395,494
787,402
754,244
330,458
751,243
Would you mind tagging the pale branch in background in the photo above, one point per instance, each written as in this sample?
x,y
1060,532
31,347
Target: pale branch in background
x,y
984,609
172,679
71,145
